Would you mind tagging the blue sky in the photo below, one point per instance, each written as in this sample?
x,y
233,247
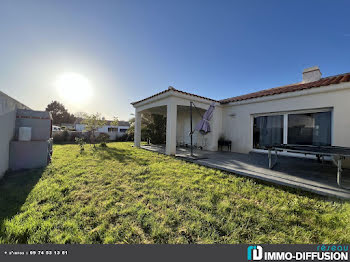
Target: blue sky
x,y
132,49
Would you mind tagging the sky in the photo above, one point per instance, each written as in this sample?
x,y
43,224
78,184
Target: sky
x,y
129,50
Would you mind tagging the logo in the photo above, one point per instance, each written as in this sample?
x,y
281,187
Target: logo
x,y
254,253
323,253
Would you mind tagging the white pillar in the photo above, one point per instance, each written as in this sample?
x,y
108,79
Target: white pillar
x,y
216,129
137,133
171,128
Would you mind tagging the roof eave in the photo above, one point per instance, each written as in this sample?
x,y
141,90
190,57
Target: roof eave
x,y
167,93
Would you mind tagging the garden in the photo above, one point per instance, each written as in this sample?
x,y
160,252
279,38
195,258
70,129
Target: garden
x,y
122,194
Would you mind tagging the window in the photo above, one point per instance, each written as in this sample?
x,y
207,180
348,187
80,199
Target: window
x,y
112,129
310,129
267,131
304,128
122,130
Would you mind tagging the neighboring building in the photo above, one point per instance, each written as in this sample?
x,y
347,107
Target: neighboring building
x,y
68,125
313,112
56,128
8,107
113,131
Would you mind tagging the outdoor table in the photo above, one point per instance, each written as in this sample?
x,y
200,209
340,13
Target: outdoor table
x,y
319,151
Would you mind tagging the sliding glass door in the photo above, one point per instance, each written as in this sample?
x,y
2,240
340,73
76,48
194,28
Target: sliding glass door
x,y
310,129
268,131
304,128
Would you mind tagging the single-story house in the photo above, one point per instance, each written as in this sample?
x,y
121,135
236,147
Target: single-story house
x,y
112,130
313,112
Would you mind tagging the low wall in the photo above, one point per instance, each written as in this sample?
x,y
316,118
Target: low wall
x,y
28,154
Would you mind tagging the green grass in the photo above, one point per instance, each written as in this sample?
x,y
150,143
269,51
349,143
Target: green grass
x,y
121,194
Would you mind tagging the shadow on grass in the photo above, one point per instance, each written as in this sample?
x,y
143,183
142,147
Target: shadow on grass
x,y
122,155
15,188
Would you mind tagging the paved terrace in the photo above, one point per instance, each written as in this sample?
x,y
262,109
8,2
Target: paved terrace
x,y
305,174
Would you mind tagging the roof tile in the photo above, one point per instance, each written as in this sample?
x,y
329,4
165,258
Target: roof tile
x,y
268,92
291,88
173,89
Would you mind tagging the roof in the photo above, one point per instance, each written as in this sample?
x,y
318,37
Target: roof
x,y
121,123
331,80
170,88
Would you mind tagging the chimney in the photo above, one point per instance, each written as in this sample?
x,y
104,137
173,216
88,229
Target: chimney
x,y
311,74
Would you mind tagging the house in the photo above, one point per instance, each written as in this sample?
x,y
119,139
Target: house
x,y
113,131
313,112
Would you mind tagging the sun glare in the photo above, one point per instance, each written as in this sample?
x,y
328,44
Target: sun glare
x,y
73,87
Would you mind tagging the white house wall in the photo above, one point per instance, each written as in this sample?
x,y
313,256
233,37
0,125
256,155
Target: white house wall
x,y
184,128
237,119
207,141
172,99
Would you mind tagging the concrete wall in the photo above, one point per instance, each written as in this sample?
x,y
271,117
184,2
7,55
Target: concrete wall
x,y
238,118
28,154
8,108
7,131
8,104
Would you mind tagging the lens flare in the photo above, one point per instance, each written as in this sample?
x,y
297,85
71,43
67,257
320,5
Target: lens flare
x,y
73,88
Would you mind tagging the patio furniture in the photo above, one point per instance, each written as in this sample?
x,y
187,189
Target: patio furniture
x,y
319,151
224,143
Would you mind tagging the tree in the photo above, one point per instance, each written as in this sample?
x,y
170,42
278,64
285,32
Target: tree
x,y
115,121
153,127
92,123
59,113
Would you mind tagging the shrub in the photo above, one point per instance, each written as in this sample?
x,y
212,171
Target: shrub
x,y
65,135
103,138
74,135
68,136
122,138
81,142
58,137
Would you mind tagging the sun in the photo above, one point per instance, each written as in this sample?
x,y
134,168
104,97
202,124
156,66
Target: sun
x,y
73,88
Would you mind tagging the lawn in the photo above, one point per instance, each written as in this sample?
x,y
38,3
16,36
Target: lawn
x,y
121,194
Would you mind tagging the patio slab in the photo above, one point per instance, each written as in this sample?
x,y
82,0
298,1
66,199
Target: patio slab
x,y
305,174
